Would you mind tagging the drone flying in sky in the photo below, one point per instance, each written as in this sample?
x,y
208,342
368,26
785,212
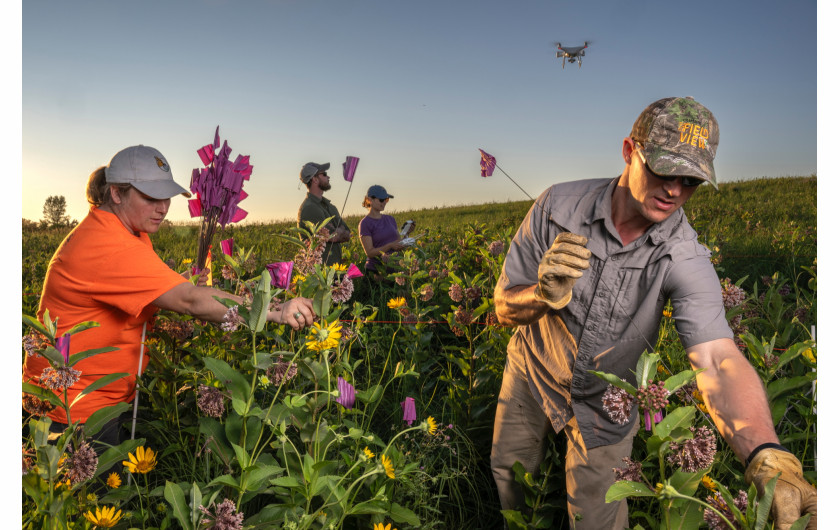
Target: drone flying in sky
x,y
574,53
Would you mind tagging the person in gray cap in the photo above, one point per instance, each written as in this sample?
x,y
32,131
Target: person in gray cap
x,y
315,208
106,271
586,279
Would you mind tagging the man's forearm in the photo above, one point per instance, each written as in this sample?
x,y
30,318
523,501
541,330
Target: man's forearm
x,y
517,306
734,395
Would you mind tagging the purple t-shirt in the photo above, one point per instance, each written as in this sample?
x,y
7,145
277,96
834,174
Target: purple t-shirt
x,y
381,231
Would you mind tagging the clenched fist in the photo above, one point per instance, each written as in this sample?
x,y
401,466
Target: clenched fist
x,y
560,268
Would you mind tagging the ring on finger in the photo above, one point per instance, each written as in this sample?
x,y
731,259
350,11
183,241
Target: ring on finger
x,y
298,315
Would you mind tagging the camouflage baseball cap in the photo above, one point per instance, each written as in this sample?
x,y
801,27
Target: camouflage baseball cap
x,y
679,138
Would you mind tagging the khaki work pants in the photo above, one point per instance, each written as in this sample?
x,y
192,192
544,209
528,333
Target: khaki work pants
x,y
520,433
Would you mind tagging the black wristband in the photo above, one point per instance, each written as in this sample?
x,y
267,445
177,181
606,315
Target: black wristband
x,y
769,445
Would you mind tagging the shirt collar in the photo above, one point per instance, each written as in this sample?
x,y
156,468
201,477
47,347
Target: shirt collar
x,y
658,233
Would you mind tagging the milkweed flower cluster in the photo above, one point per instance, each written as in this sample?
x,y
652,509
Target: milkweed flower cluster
x,y
210,401
59,378
36,406
652,399
496,248
456,293
463,316
179,330
631,471
714,520
33,342
81,464
426,292
281,372
311,253
618,403
224,516
695,453
342,292
231,319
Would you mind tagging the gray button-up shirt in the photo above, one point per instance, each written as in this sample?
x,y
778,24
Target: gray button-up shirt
x,y
616,306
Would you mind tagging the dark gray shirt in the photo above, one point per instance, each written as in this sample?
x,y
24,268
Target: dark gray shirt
x,y
316,209
595,330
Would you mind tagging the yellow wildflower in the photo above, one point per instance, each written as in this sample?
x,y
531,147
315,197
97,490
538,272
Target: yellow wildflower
x,y
338,267
431,425
709,483
698,397
324,337
667,313
114,481
144,461
809,354
298,278
389,467
105,516
661,369
186,261
368,453
396,303
381,526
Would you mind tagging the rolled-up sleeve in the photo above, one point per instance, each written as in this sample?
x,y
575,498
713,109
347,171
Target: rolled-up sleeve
x,y
694,289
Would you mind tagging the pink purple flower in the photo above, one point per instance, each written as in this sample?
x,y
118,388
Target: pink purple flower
x,y
210,401
618,404
695,453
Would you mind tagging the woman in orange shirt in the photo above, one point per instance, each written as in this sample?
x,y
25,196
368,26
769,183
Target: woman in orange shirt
x,y
106,271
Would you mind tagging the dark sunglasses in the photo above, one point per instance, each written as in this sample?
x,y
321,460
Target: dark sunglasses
x,y
688,182
381,200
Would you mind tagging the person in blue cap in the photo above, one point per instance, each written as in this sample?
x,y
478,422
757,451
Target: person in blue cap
x,y
378,232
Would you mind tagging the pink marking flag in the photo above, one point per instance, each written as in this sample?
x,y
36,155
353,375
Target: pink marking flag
x,y
227,246
62,344
354,272
281,273
409,412
488,164
350,167
346,394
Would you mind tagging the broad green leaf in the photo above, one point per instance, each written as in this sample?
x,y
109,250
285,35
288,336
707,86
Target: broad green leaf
x,y
41,393
681,417
242,456
239,406
81,326
255,478
35,324
99,383
403,515
678,380
780,386
76,357
370,507
102,416
615,381
225,480
801,523
232,379
175,496
685,515
685,482
626,488
286,482
53,355
646,368
766,503
195,502
260,303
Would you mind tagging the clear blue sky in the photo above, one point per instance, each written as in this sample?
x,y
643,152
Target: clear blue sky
x,y
411,88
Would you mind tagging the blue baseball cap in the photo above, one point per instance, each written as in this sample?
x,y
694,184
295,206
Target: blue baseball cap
x,y
379,192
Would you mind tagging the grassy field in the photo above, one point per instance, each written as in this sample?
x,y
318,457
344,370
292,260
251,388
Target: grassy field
x,y
430,335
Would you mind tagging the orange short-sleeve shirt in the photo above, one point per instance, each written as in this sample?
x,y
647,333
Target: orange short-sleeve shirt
x,y
101,272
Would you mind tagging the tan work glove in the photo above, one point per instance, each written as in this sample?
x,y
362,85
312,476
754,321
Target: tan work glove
x,y
561,266
794,496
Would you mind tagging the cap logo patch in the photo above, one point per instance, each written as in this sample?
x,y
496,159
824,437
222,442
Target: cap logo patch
x,y
693,134
161,164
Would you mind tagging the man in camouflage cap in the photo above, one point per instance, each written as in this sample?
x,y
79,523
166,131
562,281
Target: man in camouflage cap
x,y
586,280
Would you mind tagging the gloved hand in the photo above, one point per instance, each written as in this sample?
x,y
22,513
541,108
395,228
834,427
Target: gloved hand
x,y
562,264
794,496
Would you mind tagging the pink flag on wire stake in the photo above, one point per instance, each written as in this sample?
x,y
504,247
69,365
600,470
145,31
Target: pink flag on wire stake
x,y
409,412
350,167
62,344
488,164
346,394
354,272
227,246
281,273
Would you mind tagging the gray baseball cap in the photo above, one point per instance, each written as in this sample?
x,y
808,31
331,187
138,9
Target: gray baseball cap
x,y
146,169
310,169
